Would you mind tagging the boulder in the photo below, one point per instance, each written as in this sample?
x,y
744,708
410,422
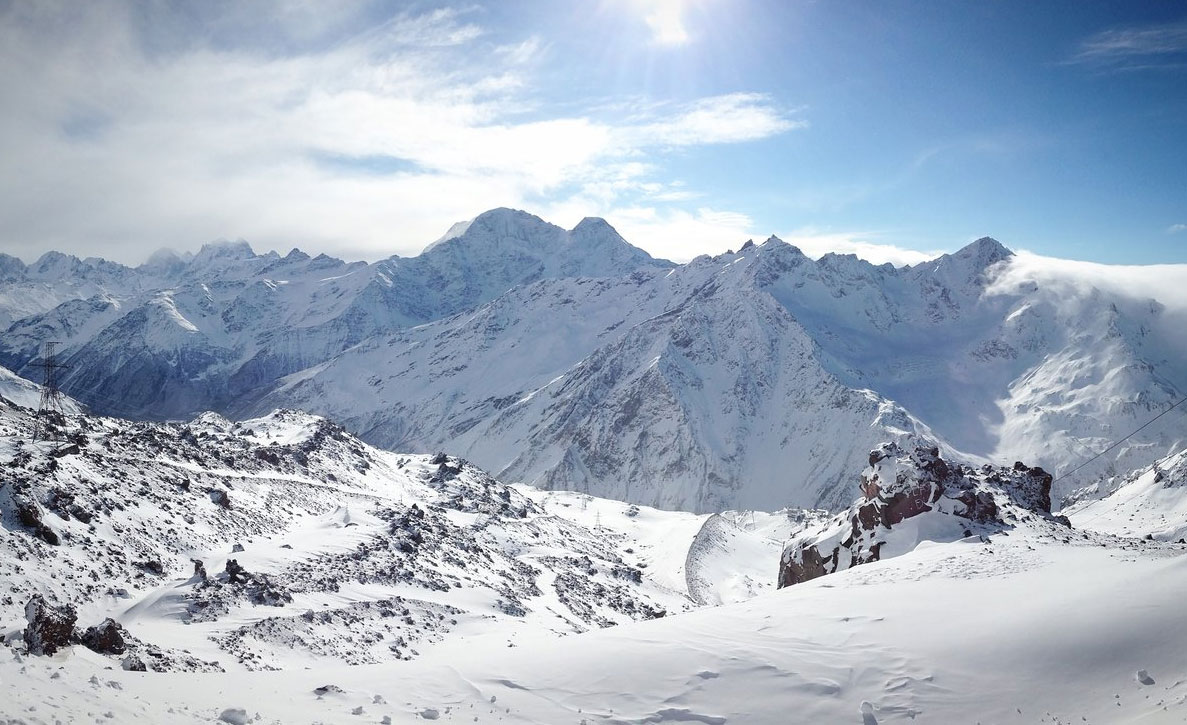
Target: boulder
x,y
50,628
133,663
106,638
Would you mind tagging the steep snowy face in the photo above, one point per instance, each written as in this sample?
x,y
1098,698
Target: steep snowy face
x,y
689,389
907,498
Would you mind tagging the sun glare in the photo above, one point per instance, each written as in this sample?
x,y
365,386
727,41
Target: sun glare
x,y
666,20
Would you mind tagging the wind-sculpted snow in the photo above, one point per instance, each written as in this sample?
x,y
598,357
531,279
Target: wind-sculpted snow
x,y
907,498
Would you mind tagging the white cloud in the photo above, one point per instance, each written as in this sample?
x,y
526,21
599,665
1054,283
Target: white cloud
x,y
1176,228
816,244
1065,278
721,119
1132,48
363,145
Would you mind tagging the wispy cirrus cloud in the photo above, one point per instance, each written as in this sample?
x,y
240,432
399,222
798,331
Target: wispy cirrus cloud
x,y
1135,48
1176,228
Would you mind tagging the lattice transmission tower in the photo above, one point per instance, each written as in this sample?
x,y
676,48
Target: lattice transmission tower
x,y
49,411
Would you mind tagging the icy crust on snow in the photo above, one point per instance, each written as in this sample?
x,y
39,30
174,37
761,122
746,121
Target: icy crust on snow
x,y
283,541
908,498
1149,502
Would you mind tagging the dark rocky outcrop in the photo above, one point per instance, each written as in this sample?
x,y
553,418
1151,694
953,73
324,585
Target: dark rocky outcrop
x,y
898,486
50,628
29,514
107,638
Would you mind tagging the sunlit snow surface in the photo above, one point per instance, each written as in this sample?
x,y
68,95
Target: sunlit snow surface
x,y
1019,630
507,608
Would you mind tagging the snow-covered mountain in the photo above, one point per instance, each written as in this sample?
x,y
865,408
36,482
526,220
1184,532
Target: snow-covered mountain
x,y
177,336
1149,502
571,360
760,378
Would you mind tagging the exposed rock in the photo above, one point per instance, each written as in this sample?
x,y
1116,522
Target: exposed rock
x,y
50,628
220,497
152,566
133,663
105,638
235,573
29,514
899,486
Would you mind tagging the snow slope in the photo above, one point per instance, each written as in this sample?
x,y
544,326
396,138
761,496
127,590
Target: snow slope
x,y
284,542
1024,629
27,394
1151,501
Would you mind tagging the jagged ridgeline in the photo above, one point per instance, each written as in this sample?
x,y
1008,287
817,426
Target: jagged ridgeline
x,y
571,360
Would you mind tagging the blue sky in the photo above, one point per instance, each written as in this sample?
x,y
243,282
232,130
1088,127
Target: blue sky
x,y
892,129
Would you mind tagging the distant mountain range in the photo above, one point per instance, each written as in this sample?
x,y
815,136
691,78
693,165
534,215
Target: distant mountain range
x,y
570,359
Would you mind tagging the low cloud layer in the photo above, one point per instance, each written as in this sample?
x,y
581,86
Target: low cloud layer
x,y
1068,278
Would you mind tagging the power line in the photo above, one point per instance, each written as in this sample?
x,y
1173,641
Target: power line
x,y
1119,442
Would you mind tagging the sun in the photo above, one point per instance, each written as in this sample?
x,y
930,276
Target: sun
x,y
666,20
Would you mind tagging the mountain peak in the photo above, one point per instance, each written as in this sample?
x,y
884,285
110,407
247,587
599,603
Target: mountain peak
x,y
594,223
10,266
224,250
985,251
596,230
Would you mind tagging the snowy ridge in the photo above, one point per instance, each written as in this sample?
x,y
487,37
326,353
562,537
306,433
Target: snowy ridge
x,y
177,336
571,360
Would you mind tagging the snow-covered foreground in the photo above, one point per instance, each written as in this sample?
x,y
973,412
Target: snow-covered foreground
x,y
1024,628
279,570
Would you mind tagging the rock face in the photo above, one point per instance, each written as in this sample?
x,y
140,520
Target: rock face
x,y
942,501
106,638
50,628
